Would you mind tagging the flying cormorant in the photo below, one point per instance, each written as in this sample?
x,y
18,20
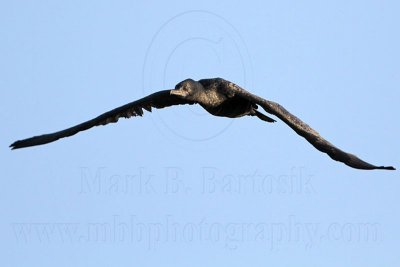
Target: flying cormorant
x,y
220,98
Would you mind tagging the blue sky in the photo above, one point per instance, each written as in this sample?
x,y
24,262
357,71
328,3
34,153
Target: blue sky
x,y
179,187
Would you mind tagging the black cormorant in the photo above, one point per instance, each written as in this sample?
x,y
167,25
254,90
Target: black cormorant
x,y
220,98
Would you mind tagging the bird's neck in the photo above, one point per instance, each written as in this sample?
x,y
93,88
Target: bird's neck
x,y
210,98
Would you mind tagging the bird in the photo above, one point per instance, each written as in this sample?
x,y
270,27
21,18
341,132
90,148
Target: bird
x,y
218,97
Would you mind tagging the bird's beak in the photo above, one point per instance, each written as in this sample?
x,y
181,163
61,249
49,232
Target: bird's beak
x,y
178,92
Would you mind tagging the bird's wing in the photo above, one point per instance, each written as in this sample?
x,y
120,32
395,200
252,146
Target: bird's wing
x,y
306,131
160,99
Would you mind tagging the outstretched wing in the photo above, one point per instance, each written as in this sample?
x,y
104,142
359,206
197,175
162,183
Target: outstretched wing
x,y
160,99
306,131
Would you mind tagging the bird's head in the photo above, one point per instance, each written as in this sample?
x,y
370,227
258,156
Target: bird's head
x,y
188,89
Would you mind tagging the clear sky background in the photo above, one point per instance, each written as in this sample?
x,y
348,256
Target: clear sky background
x,y
179,187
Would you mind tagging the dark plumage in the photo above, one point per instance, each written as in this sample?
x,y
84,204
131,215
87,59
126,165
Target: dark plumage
x,y
220,98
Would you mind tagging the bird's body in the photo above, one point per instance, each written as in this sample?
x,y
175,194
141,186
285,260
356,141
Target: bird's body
x,y
220,98
220,101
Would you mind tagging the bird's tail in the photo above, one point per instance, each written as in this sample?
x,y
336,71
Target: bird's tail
x,y
263,117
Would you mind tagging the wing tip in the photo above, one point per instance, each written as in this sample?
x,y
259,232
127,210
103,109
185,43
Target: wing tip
x,y
33,141
16,145
391,168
